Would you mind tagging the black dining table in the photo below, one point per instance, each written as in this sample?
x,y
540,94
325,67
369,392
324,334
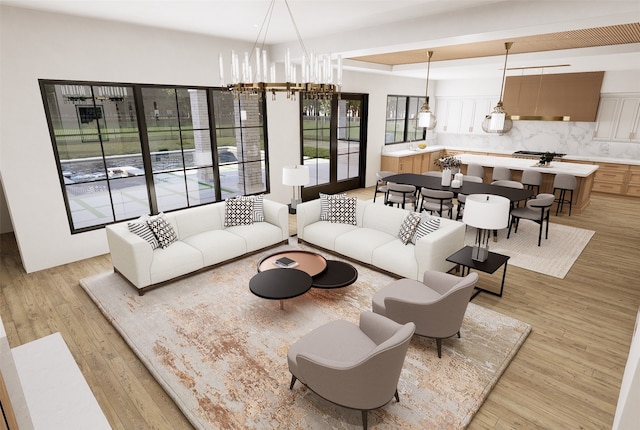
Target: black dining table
x,y
434,183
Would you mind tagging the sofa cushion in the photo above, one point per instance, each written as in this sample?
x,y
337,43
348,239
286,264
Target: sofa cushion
x,y
324,233
408,227
343,210
396,257
163,230
238,211
426,226
198,219
361,242
325,204
383,218
174,261
217,245
258,235
141,228
258,206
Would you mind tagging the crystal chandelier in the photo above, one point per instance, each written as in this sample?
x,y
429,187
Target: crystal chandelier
x,y
497,121
426,118
255,74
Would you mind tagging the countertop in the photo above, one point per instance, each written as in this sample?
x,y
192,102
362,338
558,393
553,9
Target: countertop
x,y
575,169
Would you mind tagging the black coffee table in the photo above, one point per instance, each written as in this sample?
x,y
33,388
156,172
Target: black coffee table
x,y
280,284
337,274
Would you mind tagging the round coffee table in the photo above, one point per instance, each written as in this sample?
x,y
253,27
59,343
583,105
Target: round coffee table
x,y
280,284
309,262
338,274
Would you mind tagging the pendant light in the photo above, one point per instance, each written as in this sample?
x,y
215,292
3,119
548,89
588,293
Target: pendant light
x,y
497,121
426,118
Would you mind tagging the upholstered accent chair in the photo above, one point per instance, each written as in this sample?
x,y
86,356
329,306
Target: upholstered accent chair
x,y
436,305
356,366
536,210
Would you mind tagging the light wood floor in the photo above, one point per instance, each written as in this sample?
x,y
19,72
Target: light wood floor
x,y
566,376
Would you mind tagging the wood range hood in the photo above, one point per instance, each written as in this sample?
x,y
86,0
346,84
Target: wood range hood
x,y
553,97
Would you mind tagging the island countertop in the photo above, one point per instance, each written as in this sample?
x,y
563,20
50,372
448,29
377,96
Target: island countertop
x,y
575,169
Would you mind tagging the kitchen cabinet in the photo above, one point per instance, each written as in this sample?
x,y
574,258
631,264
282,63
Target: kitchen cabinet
x,y
461,115
618,118
419,162
633,185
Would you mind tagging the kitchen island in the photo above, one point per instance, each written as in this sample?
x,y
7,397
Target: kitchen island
x,y
584,173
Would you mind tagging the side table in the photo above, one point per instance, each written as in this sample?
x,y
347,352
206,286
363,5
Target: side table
x,y
490,265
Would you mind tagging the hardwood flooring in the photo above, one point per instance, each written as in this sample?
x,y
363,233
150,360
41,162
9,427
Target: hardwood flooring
x,y
567,375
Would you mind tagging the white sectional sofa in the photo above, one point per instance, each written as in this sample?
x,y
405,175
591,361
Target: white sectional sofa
x,y
374,239
203,241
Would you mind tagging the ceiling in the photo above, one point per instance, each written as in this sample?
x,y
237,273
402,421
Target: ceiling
x,y
381,36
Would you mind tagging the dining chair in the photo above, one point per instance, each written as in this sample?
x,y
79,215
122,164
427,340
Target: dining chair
x,y
462,198
433,173
536,210
381,183
436,201
400,195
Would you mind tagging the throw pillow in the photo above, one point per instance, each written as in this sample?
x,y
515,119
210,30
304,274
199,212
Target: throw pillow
x,y
324,204
342,210
141,228
427,225
163,230
408,227
258,207
238,211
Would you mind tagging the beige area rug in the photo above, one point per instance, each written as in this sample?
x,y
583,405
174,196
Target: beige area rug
x,y
220,352
554,256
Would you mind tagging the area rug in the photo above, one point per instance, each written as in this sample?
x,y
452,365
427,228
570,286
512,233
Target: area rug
x,y
554,257
220,352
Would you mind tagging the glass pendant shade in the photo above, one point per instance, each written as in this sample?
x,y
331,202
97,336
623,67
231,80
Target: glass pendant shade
x,y
498,121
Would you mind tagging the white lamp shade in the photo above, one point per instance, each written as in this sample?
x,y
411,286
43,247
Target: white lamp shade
x,y
486,211
295,175
497,121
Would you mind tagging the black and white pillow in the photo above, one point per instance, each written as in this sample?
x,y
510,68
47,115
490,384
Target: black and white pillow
x,y
324,204
141,228
238,211
258,207
408,227
163,230
426,226
342,210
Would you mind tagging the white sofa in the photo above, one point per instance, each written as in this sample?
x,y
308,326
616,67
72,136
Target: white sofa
x,y
203,241
374,240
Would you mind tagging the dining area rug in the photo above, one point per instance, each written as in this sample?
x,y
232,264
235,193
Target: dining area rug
x,y
220,352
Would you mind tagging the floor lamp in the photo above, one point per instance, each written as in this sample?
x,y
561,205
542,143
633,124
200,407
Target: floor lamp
x,y
485,212
295,176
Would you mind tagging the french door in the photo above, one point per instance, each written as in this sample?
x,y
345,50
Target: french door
x,y
333,143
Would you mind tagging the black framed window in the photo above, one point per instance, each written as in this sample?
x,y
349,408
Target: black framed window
x,y
402,119
124,150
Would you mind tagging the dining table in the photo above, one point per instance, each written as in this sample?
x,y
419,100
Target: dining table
x,y
435,183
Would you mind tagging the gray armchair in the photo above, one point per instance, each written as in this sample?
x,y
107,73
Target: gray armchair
x,y
436,306
353,366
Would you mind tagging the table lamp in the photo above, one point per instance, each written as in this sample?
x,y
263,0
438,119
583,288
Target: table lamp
x,y
295,176
485,212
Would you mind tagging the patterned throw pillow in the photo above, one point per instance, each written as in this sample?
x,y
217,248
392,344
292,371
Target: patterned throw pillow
x,y
141,228
427,225
258,207
342,210
163,230
238,211
408,227
324,204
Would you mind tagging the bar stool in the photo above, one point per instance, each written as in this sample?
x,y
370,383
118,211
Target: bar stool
x,y
532,179
501,174
475,170
563,183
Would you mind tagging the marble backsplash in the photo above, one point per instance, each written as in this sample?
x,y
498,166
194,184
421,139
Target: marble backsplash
x,y
571,138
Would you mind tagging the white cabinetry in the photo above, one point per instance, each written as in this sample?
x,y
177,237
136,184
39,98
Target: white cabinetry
x,y
461,115
618,118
